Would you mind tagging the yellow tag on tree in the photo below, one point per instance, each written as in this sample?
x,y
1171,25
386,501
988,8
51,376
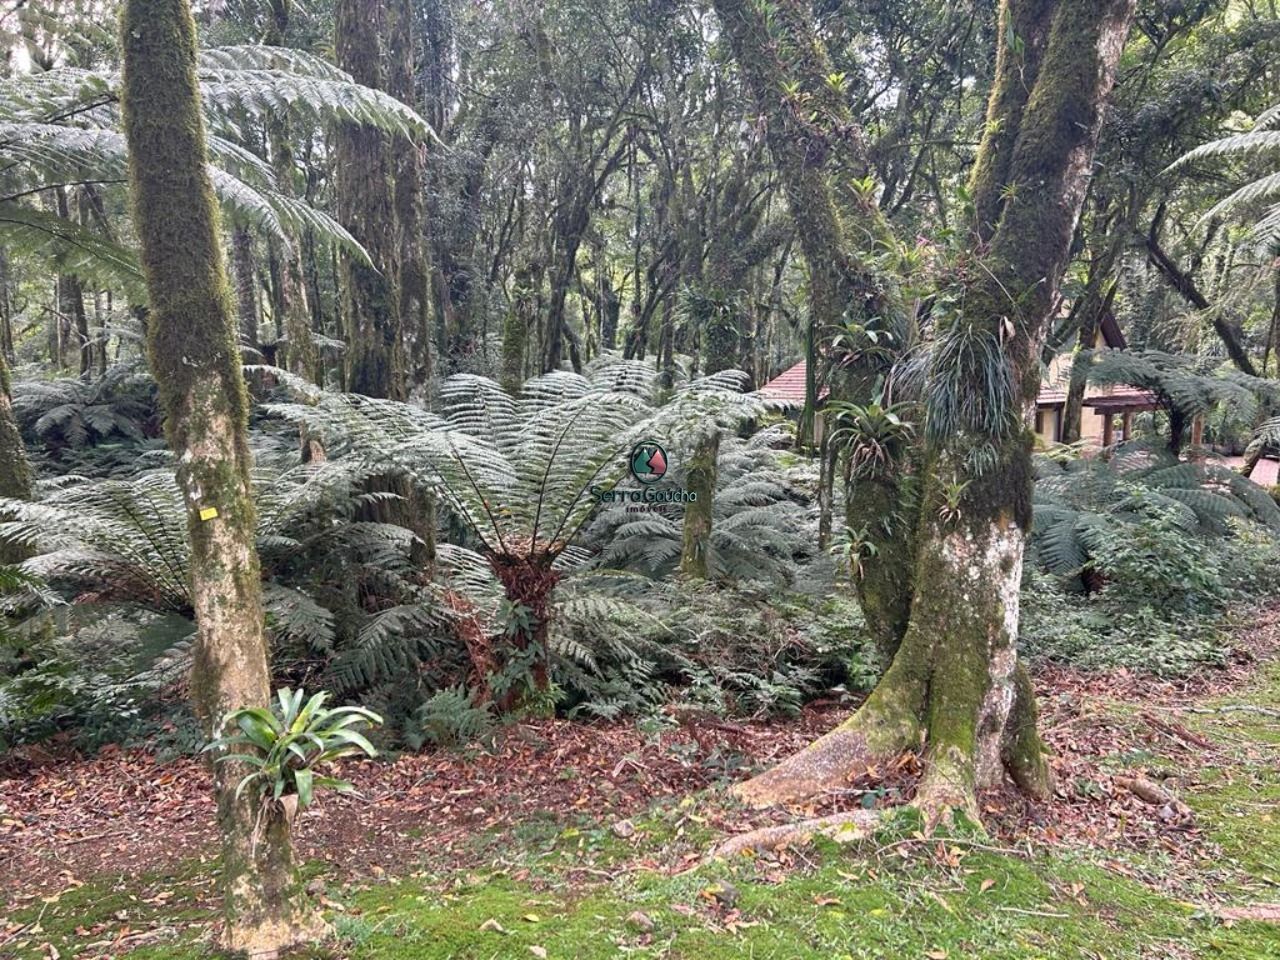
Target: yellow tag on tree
x,y
208,513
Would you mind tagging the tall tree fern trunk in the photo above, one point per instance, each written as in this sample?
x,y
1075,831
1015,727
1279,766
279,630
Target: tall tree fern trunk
x,y
955,684
15,469
191,343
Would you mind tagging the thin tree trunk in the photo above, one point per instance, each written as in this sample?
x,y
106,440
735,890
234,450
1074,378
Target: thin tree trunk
x,y
695,550
6,308
246,272
1186,286
414,295
191,342
291,300
519,321
375,357
16,477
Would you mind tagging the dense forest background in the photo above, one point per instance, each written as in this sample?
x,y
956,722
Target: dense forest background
x,y
593,181
414,195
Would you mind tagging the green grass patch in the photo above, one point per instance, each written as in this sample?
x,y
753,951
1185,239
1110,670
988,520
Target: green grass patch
x,y
571,887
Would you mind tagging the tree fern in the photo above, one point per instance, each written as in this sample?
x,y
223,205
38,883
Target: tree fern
x,y
1261,143
61,127
1184,385
1078,501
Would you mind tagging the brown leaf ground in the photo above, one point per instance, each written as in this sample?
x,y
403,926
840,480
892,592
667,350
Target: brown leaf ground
x,y
64,819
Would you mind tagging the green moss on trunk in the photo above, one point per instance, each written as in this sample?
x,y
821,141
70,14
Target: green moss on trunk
x,y
955,677
16,476
515,329
879,507
15,469
700,481
375,356
408,177
191,344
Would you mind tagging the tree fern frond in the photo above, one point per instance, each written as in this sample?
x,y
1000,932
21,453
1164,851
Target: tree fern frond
x,y
1252,143
317,99
295,617
69,248
255,57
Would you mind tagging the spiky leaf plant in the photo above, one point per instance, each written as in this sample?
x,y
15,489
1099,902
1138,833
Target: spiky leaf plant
x,y
284,747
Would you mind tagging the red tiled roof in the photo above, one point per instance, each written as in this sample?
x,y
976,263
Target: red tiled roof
x,y
788,386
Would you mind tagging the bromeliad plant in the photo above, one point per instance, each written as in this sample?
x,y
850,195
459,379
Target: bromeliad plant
x,y
285,749
875,434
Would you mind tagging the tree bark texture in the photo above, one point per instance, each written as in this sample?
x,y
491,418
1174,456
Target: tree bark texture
x,y
191,344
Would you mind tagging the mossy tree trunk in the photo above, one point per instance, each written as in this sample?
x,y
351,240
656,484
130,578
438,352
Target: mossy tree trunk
x,y
955,684
409,177
378,187
520,319
246,285
364,177
700,481
302,358
817,146
191,344
15,468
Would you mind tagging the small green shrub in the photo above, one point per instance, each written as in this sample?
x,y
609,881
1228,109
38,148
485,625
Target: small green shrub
x,y
1155,561
1105,630
731,650
450,718
99,675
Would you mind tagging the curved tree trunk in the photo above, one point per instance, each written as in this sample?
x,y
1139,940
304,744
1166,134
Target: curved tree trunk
x,y
955,687
191,342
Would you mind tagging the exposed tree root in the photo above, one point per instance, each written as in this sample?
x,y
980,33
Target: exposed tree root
x,y
850,825
883,727
825,765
